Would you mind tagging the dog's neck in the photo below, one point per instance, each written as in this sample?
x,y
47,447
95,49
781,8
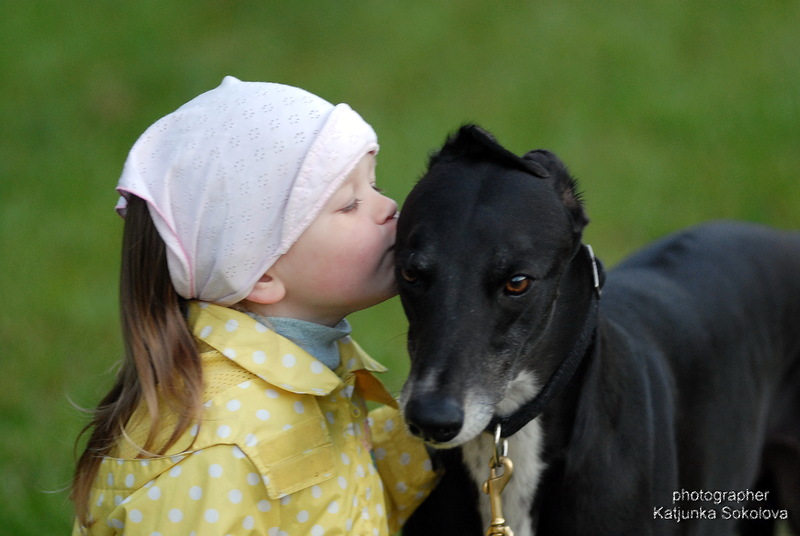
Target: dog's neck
x,y
575,303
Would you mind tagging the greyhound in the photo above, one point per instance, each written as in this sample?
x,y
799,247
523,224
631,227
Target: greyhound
x,y
660,398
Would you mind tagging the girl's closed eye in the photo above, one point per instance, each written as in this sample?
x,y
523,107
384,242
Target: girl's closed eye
x,y
353,205
378,189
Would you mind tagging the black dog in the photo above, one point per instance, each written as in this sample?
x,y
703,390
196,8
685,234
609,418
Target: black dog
x,y
670,405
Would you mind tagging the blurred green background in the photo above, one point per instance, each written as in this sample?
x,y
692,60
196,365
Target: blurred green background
x,y
669,113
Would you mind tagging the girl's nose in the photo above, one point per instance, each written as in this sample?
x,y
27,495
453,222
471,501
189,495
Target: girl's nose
x,y
388,209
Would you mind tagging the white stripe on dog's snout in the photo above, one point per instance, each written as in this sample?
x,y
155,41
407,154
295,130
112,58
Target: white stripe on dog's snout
x,y
477,414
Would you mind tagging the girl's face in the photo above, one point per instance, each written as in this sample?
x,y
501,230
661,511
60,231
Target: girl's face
x,y
344,261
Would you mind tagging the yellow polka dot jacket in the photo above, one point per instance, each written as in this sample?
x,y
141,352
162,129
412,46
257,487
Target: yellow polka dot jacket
x,y
284,447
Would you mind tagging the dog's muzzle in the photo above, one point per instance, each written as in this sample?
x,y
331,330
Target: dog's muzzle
x,y
434,418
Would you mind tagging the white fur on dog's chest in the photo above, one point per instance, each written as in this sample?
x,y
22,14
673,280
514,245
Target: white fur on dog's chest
x,y
524,450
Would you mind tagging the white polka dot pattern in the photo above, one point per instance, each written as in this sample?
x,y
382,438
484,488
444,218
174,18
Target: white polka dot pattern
x,y
247,476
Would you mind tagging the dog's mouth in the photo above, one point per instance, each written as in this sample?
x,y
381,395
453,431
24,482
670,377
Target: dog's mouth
x,y
448,428
442,422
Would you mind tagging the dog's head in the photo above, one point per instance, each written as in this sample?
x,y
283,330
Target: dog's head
x,y
483,241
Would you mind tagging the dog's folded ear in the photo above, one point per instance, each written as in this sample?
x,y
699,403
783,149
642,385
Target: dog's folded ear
x,y
565,184
474,142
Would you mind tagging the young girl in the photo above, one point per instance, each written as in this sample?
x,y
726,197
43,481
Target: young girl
x,y
252,228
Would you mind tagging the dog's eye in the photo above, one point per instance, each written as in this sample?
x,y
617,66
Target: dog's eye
x,y
409,276
518,285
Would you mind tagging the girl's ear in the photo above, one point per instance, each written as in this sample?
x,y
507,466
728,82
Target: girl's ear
x,y
268,290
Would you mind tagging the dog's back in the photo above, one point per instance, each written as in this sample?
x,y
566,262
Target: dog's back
x,y
712,286
719,305
699,296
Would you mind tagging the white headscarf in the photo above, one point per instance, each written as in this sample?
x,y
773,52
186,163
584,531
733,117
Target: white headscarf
x,y
233,178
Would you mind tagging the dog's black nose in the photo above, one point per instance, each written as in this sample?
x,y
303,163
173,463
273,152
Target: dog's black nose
x,y
434,419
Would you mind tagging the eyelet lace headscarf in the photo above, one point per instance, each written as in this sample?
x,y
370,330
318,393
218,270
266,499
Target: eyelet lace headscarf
x,y
233,178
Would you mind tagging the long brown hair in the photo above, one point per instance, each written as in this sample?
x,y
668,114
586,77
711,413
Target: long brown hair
x,y
161,364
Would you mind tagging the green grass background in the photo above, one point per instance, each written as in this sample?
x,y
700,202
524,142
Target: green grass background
x,y
669,113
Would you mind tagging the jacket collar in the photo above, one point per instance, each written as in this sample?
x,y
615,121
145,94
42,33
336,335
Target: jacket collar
x,y
277,360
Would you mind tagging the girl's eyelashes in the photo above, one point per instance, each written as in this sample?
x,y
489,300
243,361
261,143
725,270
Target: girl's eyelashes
x,y
353,205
